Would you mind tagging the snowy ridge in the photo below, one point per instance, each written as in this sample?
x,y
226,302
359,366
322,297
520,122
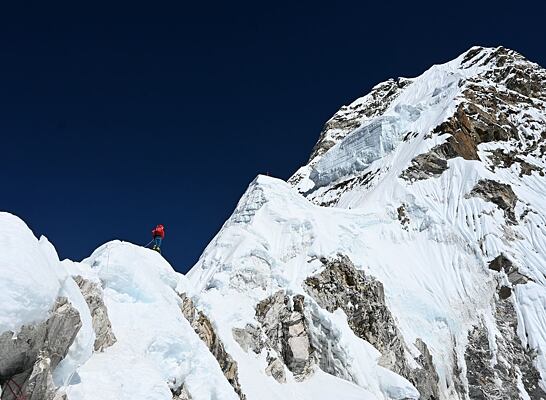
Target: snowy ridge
x,y
156,348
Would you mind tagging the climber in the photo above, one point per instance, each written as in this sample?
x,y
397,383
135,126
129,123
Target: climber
x,y
158,234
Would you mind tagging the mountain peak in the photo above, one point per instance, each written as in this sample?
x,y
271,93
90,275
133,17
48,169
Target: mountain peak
x,y
405,261
403,109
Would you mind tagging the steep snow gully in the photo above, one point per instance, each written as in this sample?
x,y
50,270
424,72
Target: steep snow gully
x,y
406,260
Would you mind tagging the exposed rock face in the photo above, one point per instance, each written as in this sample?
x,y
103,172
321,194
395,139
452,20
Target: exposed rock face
x,y
425,166
283,321
468,127
362,299
28,358
425,378
500,158
249,338
181,394
341,285
494,374
92,292
204,328
275,368
503,263
498,193
40,383
252,338
490,113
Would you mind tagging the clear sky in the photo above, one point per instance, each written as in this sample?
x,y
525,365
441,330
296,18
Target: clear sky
x,y
116,116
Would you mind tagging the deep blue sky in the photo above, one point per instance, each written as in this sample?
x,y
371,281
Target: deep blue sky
x,y
118,116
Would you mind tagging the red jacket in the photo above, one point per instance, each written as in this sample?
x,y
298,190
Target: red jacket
x,y
159,231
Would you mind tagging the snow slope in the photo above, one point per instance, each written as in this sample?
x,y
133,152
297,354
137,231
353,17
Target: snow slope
x,y
275,238
429,241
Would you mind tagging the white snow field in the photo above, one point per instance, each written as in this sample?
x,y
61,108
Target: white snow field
x,y
433,265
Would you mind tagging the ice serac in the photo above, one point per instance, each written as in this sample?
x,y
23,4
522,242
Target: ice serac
x,y
406,255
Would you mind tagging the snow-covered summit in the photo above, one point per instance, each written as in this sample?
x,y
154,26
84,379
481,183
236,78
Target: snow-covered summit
x,y
406,260
434,186
481,80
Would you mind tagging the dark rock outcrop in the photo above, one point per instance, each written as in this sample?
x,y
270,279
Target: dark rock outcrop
x,y
181,394
362,299
500,158
204,328
249,338
503,263
275,368
498,193
403,216
253,338
28,358
342,286
494,374
468,127
92,293
284,324
425,166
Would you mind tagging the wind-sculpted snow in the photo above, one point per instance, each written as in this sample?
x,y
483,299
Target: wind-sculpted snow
x,y
434,284
31,279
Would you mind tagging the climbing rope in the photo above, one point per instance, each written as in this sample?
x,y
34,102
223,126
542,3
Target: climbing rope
x,y
19,396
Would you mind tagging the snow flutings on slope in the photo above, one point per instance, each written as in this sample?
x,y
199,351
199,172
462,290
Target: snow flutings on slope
x,y
434,288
